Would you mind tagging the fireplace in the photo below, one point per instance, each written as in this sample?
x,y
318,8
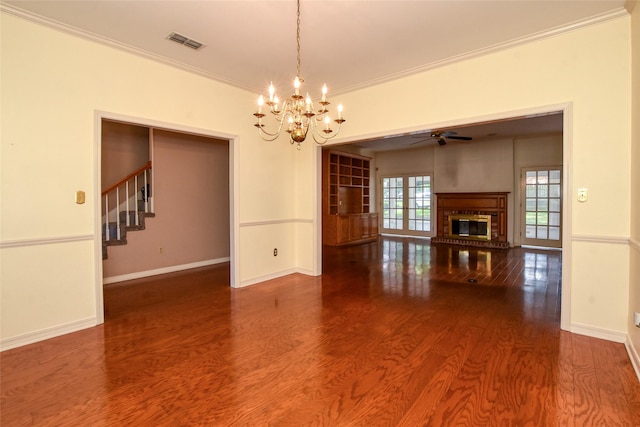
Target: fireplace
x,y
476,227
472,219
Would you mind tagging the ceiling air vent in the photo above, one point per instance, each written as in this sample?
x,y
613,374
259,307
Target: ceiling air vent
x,y
179,38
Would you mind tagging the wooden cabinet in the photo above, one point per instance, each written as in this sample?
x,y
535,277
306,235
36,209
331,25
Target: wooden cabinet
x,y
347,229
346,216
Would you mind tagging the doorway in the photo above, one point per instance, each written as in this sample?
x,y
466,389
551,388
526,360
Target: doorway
x,y
179,141
553,121
541,207
406,205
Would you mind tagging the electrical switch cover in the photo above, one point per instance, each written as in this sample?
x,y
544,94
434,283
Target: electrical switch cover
x,y
80,197
583,195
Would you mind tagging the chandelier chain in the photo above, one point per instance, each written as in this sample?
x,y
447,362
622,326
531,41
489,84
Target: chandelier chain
x,y
298,38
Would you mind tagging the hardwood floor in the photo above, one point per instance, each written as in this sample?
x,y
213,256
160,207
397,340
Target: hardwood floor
x,y
394,333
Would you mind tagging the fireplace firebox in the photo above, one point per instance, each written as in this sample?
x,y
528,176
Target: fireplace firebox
x,y
470,226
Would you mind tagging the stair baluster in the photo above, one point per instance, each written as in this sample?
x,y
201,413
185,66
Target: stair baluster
x,y
118,235
106,215
136,214
115,232
127,221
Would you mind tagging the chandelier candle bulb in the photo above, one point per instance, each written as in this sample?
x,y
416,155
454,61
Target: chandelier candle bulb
x,y
324,92
296,85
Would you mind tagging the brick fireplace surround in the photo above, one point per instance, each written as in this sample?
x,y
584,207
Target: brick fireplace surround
x,y
494,204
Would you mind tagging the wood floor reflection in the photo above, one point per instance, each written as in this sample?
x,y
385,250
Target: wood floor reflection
x,y
397,332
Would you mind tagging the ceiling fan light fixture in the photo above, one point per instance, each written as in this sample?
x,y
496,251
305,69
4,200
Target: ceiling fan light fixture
x,y
297,114
442,136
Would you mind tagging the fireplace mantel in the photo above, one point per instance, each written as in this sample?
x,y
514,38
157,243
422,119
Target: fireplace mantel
x,y
493,204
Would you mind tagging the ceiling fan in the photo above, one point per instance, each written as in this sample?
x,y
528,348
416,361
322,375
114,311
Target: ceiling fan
x,y
442,136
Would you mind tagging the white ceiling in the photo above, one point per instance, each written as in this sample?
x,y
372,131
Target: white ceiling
x,y
348,44
543,124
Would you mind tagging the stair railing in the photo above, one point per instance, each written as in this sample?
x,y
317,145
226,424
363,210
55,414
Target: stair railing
x,y
143,174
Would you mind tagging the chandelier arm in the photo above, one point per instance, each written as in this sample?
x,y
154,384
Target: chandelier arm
x,y
321,142
316,134
267,136
272,136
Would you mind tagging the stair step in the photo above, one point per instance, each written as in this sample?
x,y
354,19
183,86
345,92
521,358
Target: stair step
x,y
113,229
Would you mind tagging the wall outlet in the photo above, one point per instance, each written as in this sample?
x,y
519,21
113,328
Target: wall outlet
x,y
275,251
636,319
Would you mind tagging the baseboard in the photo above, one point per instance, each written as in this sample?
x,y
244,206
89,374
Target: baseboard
x,y
306,272
266,277
276,275
163,270
45,334
601,333
633,355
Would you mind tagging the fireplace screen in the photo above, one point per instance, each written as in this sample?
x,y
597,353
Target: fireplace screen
x,y
476,227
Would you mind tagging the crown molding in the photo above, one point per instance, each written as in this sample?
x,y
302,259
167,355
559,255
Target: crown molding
x,y
622,11
490,49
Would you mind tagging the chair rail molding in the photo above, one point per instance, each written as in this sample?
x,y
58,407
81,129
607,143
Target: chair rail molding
x,y
37,241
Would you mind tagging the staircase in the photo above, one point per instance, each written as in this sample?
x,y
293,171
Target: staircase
x,y
113,229
125,207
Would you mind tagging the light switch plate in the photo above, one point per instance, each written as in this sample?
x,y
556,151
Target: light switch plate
x,y
80,197
583,195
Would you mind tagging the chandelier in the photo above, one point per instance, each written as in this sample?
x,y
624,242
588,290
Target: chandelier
x,y
297,115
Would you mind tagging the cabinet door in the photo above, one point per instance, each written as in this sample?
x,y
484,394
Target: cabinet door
x,y
342,229
355,227
365,220
373,224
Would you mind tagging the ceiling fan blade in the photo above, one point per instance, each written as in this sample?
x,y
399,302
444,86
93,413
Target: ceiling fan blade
x,y
418,142
462,138
447,134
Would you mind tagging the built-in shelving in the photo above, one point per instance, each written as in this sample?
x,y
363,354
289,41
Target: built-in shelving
x,y
348,190
347,216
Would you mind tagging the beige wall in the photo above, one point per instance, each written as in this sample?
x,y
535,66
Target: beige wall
x,y
634,280
191,201
125,148
483,166
398,162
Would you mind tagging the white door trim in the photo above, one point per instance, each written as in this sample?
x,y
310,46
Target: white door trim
x,y
97,167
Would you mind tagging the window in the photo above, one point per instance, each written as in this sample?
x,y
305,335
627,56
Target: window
x,y
406,204
542,207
